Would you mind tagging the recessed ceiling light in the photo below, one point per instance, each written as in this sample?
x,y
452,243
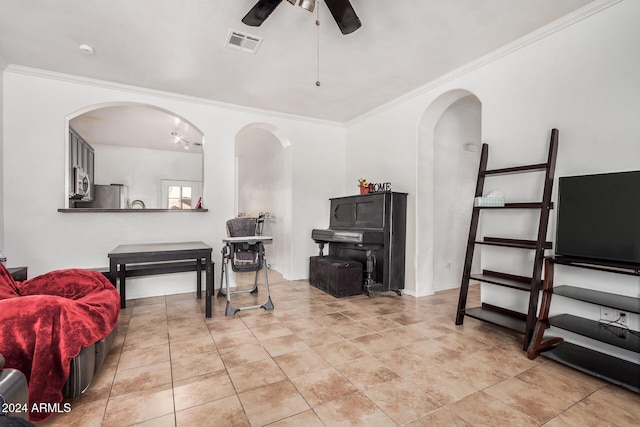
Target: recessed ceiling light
x,y
85,48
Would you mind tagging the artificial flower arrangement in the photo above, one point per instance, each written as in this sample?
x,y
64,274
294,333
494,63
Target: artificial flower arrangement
x,y
364,185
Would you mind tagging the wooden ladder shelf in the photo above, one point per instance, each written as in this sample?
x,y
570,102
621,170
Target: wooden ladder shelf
x,y
521,322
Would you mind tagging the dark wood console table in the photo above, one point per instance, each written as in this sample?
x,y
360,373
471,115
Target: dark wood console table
x,y
156,255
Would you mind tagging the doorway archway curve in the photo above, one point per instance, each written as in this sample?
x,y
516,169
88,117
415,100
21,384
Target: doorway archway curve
x,y
110,125
426,188
266,148
278,133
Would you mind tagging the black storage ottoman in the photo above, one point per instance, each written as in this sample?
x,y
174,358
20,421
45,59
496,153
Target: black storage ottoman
x,y
339,277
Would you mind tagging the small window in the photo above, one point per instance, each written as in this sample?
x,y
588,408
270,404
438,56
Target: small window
x,y
179,197
183,195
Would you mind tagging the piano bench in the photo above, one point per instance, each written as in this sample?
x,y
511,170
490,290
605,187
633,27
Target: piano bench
x,y
339,277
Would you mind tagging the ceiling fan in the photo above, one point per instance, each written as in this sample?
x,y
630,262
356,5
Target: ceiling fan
x,y
341,10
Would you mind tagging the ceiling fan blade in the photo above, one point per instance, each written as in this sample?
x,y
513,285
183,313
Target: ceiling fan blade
x,y
344,15
260,11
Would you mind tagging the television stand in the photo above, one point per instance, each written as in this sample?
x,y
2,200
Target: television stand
x,y
603,365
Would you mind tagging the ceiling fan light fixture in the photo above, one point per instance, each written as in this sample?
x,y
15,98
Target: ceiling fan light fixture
x,y
307,4
341,10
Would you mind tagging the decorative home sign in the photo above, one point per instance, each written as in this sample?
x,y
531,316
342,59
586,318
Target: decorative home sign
x,y
366,187
379,187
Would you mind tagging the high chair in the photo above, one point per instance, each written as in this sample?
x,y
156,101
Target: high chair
x,y
244,250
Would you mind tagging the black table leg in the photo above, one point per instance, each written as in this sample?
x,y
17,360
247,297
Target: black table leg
x,y
209,291
199,279
113,270
123,286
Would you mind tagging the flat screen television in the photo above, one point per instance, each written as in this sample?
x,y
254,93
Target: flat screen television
x,y
599,217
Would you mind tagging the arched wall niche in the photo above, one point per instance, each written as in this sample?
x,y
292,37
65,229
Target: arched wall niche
x,y
139,145
449,136
263,184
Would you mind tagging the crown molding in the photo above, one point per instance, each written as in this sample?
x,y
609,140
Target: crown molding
x,y
558,25
71,78
549,29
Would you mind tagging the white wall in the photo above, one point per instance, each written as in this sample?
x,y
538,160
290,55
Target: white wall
x,y
39,236
582,79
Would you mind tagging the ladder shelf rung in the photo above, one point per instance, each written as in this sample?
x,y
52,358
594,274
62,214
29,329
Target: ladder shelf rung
x,y
497,318
513,243
512,281
517,205
517,169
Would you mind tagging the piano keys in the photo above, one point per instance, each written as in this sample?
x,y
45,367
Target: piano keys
x,y
347,236
371,229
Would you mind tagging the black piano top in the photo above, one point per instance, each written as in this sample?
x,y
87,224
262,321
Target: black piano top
x,y
360,219
363,211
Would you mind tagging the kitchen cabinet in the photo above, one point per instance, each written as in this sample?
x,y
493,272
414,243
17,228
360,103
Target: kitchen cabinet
x,y
81,155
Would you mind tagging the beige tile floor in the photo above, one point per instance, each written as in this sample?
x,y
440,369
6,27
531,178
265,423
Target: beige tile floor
x,y
320,361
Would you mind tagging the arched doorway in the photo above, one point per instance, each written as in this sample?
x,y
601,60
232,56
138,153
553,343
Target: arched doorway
x,y
263,185
449,135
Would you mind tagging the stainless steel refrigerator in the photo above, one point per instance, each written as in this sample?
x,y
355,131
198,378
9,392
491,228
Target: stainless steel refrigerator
x,y
114,196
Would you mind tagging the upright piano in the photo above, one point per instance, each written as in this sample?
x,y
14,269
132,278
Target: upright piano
x,y
371,229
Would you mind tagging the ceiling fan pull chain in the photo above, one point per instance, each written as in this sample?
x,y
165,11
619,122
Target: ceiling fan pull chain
x,y
318,48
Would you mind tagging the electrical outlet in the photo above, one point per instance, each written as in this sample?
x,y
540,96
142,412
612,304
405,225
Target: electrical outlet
x,y
612,315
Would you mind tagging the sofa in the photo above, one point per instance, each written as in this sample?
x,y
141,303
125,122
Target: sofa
x,y
56,330
14,397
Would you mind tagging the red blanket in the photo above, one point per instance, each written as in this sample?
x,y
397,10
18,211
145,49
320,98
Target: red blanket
x,y
47,320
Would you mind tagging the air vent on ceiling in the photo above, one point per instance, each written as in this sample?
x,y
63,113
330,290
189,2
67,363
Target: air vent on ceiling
x,y
243,41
